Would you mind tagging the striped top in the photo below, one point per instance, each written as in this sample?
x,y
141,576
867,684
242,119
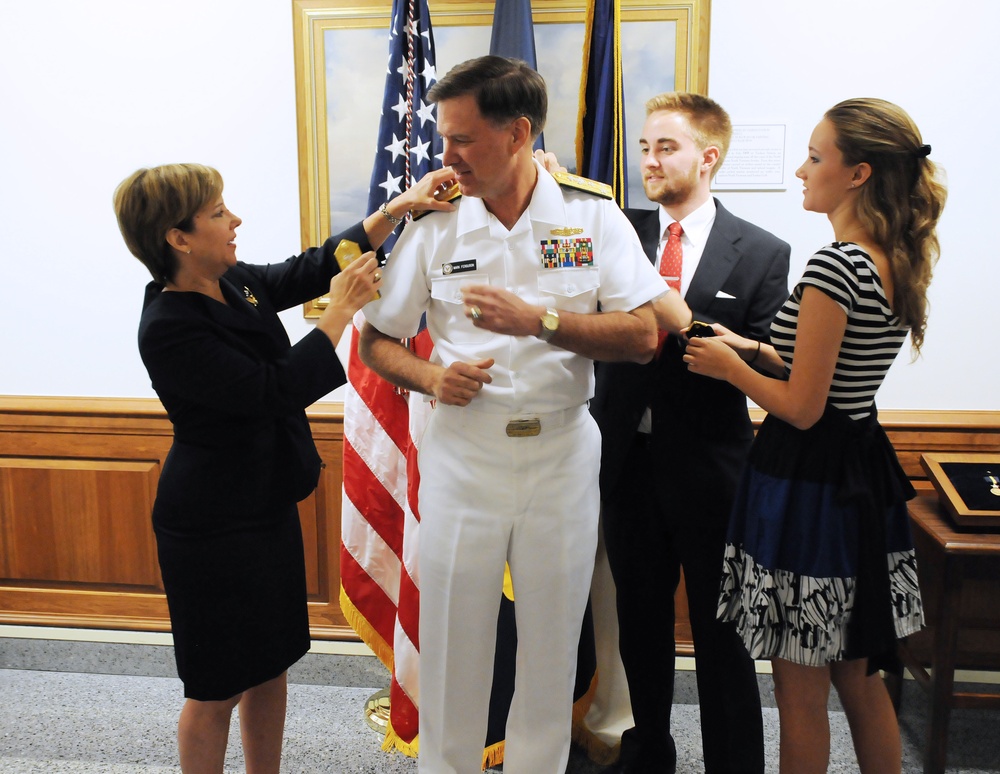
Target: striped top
x,y
874,335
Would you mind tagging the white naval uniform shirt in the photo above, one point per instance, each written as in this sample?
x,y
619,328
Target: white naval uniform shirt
x,y
441,253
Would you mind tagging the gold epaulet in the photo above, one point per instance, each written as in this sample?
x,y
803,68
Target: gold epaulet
x,y
566,180
450,195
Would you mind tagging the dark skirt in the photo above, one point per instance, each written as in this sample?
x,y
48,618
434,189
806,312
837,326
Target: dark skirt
x,y
237,600
819,562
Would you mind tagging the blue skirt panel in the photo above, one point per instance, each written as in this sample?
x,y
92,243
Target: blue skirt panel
x,y
819,564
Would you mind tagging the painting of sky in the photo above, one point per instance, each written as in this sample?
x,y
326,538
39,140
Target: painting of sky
x,y
355,75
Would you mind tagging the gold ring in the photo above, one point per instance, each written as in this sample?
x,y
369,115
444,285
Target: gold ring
x,y
378,275
475,312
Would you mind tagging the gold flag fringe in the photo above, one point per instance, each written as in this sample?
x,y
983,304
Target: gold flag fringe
x,y
394,741
366,631
596,750
493,755
583,737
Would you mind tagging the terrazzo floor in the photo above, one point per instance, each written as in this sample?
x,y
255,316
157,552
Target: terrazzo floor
x,y
115,712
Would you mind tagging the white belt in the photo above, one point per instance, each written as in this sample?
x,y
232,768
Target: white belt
x,y
520,425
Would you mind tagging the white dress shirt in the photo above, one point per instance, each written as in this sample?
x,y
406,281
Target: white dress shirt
x,y
697,226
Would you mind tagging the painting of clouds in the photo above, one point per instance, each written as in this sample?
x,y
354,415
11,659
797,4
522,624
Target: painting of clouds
x,y
355,71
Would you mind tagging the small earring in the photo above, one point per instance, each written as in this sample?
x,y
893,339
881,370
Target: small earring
x,y
189,249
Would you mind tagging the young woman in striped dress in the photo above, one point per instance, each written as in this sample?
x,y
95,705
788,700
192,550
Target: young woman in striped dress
x,y
819,573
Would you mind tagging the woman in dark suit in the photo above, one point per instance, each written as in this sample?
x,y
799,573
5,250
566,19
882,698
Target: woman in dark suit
x,y
227,530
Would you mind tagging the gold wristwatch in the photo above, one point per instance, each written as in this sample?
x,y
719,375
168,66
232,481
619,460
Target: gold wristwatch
x,y
550,324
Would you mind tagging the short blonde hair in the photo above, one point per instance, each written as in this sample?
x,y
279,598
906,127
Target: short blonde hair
x,y
710,124
151,201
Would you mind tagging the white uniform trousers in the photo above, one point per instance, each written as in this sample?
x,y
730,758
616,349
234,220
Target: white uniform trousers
x,y
486,499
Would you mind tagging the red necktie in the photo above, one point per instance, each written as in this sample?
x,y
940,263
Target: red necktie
x,y
670,261
670,269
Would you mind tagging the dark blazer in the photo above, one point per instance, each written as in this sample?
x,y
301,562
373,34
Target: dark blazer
x,y
236,390
706,416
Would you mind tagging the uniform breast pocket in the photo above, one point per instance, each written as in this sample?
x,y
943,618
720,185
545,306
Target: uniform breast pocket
x,y
447,292
572,290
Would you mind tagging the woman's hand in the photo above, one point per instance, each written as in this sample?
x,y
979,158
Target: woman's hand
x,y
734,340
712,357
747,349
350,290
429,193
548,160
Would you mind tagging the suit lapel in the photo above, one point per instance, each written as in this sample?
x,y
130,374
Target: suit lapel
x,y
717,260
232,315
647,225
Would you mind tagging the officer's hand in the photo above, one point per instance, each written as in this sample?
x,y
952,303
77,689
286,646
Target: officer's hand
x,y
500,311
460,382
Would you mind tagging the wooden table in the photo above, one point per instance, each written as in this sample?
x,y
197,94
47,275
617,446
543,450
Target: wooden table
x,y
959,580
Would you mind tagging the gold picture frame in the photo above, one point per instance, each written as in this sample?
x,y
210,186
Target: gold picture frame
x,y
340,49
951,472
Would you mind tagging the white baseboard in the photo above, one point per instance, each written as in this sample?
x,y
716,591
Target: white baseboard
x,y
334,647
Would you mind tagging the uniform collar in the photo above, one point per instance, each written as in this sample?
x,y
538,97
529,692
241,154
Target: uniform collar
x,y
546,206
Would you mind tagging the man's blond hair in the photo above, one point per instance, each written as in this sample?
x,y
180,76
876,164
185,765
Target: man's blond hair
x,y
709,123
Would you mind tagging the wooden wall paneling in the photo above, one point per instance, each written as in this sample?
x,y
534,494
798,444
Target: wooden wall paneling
x,y
77,483
78,478
326,619
913,433
79,522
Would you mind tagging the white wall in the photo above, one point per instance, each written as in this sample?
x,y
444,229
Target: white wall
x,y
91,90
787,61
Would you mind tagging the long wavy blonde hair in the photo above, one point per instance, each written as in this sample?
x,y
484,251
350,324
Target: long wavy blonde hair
x,y
902,200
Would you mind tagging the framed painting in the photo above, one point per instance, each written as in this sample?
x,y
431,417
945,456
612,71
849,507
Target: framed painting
x,y
341,48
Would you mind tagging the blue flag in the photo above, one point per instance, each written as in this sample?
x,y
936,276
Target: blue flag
x,y
600,139
513,36
408,142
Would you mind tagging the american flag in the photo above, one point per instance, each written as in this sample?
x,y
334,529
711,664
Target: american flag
x,y
379,584
408,142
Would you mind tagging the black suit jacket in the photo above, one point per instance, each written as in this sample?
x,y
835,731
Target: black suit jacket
x,y
701,426
236,390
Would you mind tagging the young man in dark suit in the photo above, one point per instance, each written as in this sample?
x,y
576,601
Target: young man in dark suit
x,y
674,444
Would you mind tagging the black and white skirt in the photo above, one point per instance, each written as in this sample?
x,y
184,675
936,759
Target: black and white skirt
x,y
819,562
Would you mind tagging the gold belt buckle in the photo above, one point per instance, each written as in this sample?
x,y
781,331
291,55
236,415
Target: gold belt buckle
x,y
523,428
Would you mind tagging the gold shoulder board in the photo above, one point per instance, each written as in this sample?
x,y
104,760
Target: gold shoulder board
x,y
566,180
448,196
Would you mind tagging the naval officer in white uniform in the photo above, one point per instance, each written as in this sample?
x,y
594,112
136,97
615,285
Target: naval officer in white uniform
x,y
524,284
